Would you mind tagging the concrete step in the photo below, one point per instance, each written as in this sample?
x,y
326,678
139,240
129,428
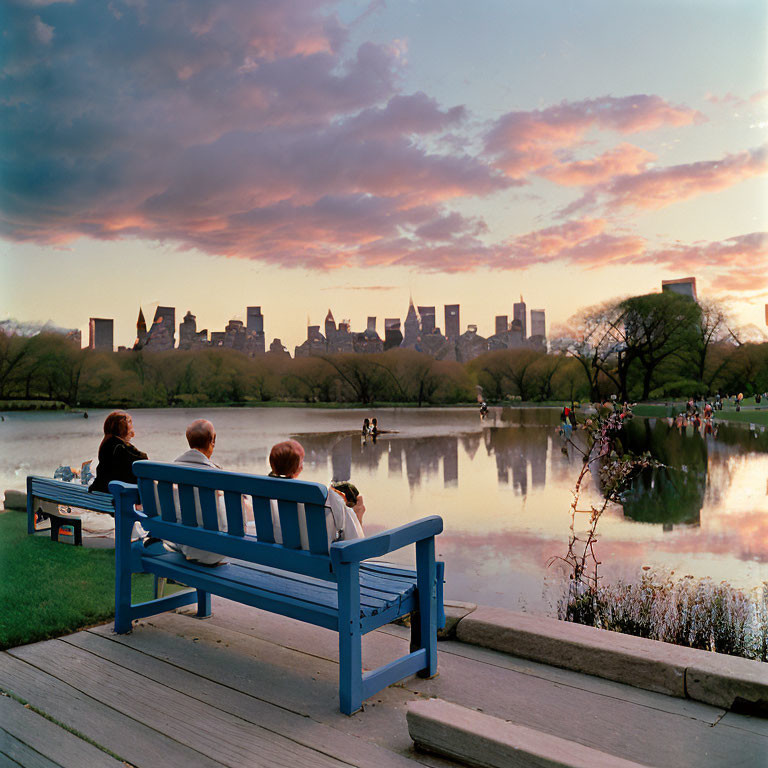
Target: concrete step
x,y
477,739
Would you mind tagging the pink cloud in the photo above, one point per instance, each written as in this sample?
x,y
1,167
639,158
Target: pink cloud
x,y
624,159
524,142
658,187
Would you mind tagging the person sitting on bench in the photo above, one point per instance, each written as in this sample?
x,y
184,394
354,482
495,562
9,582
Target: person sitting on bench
x,y
343,521
201,438
116,453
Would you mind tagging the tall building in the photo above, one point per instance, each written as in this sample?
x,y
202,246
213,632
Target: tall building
x,y
411,327
452,322
162,334
502,324
392,335
685,286
330,326
371,326
254,320
427,317
518,313
538,323
101,334
141,331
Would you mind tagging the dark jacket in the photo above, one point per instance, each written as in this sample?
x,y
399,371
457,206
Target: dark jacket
x,y
116,459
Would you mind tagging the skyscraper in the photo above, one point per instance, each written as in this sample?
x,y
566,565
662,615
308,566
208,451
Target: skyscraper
x,y
392,335
427,317
330,327
101,334
452,321
411,326
538,323
254,320
518,313
502,324
141,331
685,286
162,334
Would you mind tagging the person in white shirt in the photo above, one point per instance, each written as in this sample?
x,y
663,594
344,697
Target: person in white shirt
x,y
201,437
343,521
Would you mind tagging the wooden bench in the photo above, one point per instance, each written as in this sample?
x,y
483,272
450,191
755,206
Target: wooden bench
x,y
329,586
69,494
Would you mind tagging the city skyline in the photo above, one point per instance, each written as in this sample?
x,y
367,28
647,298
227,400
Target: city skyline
x,y
165,333
332,154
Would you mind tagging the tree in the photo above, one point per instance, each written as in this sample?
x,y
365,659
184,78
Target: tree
x,y
654,328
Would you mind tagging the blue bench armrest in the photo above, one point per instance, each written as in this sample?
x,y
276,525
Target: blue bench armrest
x,y
126,496
357,550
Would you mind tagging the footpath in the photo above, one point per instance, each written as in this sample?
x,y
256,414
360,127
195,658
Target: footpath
x,y
248,688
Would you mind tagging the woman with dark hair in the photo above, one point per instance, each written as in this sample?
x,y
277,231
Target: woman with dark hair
x,y
116,454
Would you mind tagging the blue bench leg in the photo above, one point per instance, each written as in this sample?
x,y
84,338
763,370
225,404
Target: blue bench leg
x,y
203,604
350,639
426,586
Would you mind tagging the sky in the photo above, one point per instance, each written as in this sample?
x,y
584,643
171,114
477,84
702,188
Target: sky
x,y
310,154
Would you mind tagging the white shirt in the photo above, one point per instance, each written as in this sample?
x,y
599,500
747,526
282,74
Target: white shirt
x,y
341,522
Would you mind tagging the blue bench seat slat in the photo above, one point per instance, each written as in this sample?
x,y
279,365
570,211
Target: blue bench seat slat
x,y
312,592
70,494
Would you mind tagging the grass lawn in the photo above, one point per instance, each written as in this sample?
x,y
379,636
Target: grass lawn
x,y
49,589
749,414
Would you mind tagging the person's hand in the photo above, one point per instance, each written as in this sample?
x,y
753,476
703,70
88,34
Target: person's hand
x,y
359,508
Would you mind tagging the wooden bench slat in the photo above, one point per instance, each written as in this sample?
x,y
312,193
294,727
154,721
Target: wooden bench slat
x,y
289,523
317,530
209,508
70,494
188,504
167,502
262,516
233,503
148,497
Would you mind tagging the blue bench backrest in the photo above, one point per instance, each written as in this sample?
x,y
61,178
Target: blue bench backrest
x,y
156,483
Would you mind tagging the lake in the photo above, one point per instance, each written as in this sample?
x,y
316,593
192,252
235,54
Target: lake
x,y
502,486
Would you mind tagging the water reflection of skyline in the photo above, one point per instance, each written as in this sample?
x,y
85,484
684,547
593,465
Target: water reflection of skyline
x,y
519,453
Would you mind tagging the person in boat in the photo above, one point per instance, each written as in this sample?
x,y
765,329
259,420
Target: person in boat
x,y
374,427
344,519
366,428
116,452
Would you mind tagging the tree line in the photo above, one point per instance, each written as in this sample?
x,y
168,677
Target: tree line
x,y
646,347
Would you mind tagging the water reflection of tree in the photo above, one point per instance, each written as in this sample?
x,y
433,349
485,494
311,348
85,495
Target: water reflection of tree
x,y
673,493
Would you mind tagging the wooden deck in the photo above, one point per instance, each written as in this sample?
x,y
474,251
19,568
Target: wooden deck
x,y
247,688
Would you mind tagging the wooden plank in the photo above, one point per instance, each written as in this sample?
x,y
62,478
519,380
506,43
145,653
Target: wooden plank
x,y
167,505
188,506
317,531
233,504
209,508
262,517
297,682
298,727
289,524
138,744
44,743
16,754
224,738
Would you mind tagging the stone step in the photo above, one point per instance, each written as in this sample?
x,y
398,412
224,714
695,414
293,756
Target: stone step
x,y
477,739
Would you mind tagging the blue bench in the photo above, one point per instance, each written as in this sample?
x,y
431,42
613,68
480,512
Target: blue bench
x,y
329,586
69,494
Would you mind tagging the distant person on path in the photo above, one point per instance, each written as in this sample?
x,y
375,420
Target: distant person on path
x,y
343,520
116,453
483,409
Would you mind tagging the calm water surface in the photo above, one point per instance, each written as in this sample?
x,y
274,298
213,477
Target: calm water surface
x,y
503,486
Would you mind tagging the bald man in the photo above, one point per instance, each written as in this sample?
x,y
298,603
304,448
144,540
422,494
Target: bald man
x,y
201,437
